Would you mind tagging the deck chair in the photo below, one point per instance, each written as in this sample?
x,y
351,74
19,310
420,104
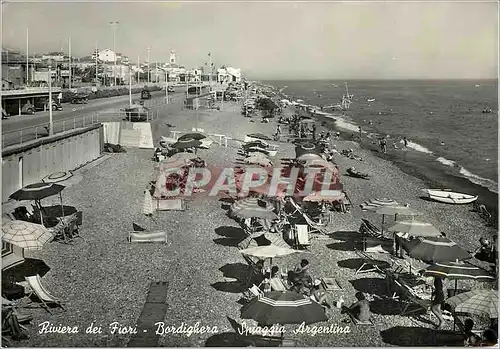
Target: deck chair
x,y
301,236
147,236
36,287
368,228
409,298
368,262
315,228
277,284
66,230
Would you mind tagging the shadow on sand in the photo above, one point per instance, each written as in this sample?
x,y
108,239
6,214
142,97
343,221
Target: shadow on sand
x,y
235,270
229,286
420,337
355,263
231,232
344,246
345,235
229,242
375,286
30,267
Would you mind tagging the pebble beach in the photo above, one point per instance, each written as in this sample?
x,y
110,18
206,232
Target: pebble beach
x,y
104,279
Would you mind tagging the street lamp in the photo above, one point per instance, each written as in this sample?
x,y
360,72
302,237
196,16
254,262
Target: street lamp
x,y
114,25
130,84
51,125
148,50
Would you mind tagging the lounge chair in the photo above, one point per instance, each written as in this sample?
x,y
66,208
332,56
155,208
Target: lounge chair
x,y
36,287
408,296
66,231
316,228
368,261
252,292
147,236
301,236
368,228
277,284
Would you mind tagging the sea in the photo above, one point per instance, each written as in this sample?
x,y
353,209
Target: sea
x,y
453,144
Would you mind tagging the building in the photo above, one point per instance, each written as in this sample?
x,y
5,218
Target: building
x,y
174,69
55,56
228,74
15,73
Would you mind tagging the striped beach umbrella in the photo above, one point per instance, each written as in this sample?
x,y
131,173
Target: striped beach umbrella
x,y
12,255
376,203
456,271
325,196
57,177
29,236
478,302
257,160
395,210
415,228
283,308
310,157
435,250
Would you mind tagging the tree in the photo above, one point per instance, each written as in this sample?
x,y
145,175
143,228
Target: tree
x,y
267,106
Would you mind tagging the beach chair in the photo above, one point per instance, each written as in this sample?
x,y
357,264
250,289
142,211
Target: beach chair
x,y
409,302
66,230
369,264
315,228
301,236
277,284
368,228
147,236
37,289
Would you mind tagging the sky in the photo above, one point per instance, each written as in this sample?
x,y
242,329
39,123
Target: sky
x,y
275,40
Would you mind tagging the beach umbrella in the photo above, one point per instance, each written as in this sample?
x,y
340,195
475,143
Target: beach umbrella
x,y
256,160
287,307
307,148
29,236
57,177
263,239
259,136
415,228
325,196
374,204
39,191
249,203
187,143
257,150
395,210
257,154
478,302
29,267
195,135
12,255
265,189
457,270
435,250
310,157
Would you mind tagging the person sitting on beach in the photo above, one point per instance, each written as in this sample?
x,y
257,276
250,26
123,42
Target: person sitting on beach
x,y
319,295
470,338
484,252
360,310
489,338
300,277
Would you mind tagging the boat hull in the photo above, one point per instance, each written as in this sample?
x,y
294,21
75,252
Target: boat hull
x,y
450,197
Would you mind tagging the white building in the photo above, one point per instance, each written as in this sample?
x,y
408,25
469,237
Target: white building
x,y
228,74
108,56
54,56
174,69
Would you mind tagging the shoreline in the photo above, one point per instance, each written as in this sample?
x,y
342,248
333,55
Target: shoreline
x,y
419,165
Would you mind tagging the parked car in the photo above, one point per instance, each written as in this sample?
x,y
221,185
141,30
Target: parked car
x,y
170,89
145,94
40,104
80,98
137,112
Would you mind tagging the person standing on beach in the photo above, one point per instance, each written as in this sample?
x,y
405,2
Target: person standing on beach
x,y
383,145
405,142
360,132
314,132
437,301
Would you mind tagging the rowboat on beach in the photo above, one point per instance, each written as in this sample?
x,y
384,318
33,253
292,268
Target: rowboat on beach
x,y
370,100
449,197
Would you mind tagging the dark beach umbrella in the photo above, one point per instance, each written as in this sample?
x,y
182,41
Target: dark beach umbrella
x,y
307,148
187,143
194,135
435,250
259,136
283,308
456,271
30,267
37,191
256,143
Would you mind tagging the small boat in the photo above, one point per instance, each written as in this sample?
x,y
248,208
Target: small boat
x,y
449,197
370,100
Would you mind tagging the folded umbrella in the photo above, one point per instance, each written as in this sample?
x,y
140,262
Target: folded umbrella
x,y
435,249
283,308
29,236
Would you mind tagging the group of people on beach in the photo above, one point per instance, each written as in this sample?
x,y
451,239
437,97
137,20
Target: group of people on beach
x,y
382,141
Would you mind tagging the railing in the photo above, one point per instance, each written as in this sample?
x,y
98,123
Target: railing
x,y
42,130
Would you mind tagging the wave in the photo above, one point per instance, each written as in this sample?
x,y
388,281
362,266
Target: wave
x,y
446,162
418,147
484,182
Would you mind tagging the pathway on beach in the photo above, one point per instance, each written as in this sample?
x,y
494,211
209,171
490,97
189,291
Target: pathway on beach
x,y
106,279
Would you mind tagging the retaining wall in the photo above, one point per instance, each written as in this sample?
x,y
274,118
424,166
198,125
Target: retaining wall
x,y
30,162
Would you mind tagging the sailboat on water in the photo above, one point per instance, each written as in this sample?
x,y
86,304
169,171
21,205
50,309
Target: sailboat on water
x,y
345,103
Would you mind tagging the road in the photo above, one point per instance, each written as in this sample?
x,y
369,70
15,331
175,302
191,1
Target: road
x,y
74,115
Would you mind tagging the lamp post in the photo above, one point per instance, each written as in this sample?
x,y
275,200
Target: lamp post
x,y
27,56
130,84
138,70
51,125
114,25
69,60
96,63
148,50
166,85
